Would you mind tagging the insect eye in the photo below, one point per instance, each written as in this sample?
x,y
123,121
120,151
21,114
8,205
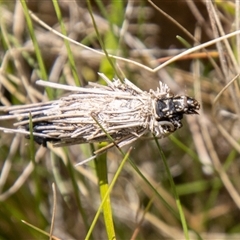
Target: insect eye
x,y
193,102
192,106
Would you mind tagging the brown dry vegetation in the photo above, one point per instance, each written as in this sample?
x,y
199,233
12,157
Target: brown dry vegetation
x,y
203,156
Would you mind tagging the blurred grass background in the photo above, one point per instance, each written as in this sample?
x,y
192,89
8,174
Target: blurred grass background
x,y
202,157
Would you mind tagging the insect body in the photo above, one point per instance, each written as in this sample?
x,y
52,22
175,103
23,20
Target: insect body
x,y
119,112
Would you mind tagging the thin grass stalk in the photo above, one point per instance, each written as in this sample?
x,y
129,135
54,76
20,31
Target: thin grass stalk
x,y
152,70
136,169
178,202
101,41
138,228
40,230
43,71
53,211
69,51
116,175
185,148
76,191
58,179
111,41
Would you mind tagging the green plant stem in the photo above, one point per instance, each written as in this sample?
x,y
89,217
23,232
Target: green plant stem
x,y
178,202
43,71
69,51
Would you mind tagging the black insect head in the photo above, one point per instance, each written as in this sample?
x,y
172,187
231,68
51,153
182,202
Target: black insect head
x,y
172,109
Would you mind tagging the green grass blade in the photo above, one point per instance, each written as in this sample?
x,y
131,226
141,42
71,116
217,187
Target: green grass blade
x,y
185,148
111,41
101,41
69,51
178,202
41,64
107,192
102,173
77,193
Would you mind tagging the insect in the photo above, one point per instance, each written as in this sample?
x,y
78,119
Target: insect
x,y
119,112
